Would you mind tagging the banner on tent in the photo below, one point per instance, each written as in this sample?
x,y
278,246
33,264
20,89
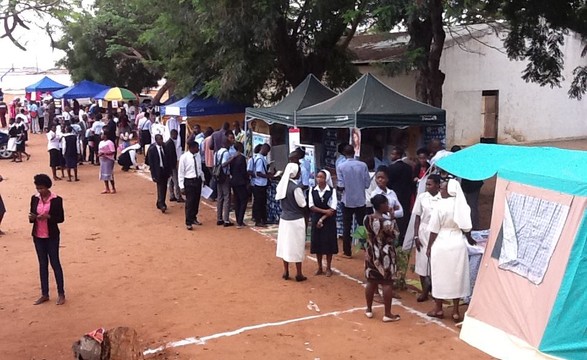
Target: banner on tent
x,y
355,140
294,139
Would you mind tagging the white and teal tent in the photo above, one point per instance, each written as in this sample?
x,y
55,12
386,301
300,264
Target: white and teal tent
x,y
530,298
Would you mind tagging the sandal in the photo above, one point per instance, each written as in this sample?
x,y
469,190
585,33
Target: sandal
x,y
328,273
392,318
105,192
456,318
41,300
319,272
438,315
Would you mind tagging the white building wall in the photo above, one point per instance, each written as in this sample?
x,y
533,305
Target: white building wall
x,y
527,112
403,84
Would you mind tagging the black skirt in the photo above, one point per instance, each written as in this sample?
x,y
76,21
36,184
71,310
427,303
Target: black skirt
x,y
54,158
145,137
324,240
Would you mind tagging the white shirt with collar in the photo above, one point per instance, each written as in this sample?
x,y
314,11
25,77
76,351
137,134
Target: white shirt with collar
x,y
332,202
391,199
54,140
161,153
190,167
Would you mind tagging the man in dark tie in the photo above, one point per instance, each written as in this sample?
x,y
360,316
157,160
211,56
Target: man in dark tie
x,y
191,177
158,164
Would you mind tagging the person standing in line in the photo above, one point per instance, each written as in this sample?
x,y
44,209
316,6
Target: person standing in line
x,y
291,238
159,167
97,130
208,156
191,177
353,180
450,230
201,140
172,124
144,128
173,152
223,159
239,178
34,114
380,257
425,204
70,151
401,180
260,182
46,212
218,138
53,143
322,203
239,134
106,150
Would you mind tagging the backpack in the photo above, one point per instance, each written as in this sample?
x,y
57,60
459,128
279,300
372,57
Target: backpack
x,y
217,170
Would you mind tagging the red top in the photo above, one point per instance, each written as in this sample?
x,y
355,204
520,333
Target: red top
x,y
42,230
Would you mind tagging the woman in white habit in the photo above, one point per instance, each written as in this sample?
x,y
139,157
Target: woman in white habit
x,y
291,238
450,230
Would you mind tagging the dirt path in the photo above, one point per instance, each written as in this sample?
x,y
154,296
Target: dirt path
x,y
126,264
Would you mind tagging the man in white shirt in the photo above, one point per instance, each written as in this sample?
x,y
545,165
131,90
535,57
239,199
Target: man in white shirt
x,y
144,129
191,178
132,112
173,124
260,180
53,146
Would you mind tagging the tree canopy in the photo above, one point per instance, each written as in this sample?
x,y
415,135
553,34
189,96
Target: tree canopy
x,y
254,51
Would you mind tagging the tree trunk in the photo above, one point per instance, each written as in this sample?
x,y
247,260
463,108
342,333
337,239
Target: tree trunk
x,y
436,76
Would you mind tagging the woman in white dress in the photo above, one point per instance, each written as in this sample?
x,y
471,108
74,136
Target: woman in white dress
x,y
291,238
450,226
425,203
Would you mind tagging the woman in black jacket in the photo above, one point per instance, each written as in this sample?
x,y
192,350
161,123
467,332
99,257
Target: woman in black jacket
x,y
45,213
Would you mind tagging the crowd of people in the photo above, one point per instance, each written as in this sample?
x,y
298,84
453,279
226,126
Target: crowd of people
x,y
382,201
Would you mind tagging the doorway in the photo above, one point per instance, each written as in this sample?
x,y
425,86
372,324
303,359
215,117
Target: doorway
x,y
489,116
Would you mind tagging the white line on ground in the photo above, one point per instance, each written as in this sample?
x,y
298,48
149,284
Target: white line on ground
x,y
204,339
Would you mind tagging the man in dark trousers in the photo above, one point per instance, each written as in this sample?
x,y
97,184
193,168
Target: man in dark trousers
x,y
173,152
191,177
158,163
401,181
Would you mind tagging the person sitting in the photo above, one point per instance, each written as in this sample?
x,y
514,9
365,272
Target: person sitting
x,y
128,156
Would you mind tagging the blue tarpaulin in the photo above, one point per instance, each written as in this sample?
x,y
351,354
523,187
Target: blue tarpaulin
x,y
83,89
192,105
46,84
546,167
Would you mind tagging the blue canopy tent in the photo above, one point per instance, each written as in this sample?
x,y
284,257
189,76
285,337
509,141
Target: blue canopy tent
x,y
83,89
46,84
192,105
204,111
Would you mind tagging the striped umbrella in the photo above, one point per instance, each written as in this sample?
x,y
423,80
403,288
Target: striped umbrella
x,y
116,94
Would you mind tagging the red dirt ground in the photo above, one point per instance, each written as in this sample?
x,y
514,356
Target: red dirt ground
x,y
126,264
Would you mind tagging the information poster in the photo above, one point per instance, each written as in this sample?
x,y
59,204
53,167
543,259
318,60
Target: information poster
x,y
309,163
259,138
294,139
330,148
355,141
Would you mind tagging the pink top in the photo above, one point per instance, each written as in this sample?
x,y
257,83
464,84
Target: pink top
x,y
106,148
42,230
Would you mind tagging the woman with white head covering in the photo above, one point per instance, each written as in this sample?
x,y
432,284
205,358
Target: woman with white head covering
x,y
322,203
291,238
449,226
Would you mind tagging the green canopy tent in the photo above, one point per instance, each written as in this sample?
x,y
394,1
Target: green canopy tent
x,y
369,103
308,93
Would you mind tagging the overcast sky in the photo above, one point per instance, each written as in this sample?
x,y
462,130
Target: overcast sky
x,y
39,52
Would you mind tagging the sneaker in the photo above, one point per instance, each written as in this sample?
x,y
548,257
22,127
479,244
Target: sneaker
x,y
196,222
189,227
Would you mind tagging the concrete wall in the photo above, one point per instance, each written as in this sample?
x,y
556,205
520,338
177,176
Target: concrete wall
x,y
527,112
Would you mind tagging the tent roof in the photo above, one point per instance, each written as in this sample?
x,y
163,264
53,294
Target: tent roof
x,y
46,84
310,92
192,105
370,103
545,167
81,90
